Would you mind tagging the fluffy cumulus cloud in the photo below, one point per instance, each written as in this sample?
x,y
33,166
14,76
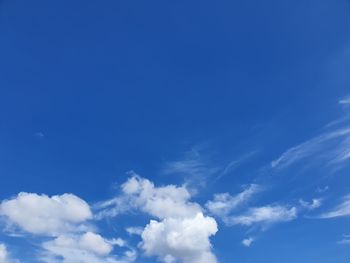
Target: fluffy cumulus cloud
x,y
41,214
181,232
265,215
86,248
161,202
63,219
224,203
186,239
178,232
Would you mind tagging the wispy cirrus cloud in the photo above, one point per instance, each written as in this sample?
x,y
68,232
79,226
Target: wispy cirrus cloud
x,y
331,148
341,210
265,216
313,204
232,165
223,204
193,166
226,207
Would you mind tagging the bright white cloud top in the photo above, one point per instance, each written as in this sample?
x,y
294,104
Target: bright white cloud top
x,y
182,233
41,214
185,239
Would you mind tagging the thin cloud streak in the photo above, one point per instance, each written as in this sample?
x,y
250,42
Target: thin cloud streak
x,y
193,166
266,215
316,148
223,204
341,210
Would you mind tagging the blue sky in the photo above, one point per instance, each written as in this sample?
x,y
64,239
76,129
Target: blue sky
x,y
174,131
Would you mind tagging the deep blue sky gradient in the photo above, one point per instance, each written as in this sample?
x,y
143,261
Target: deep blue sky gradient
x,y
92,89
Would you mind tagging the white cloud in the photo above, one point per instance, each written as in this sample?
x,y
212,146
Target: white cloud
x,y
185,239
118,242
89,241
343,209
248,241
86,248
193,165
40,214
345,100
161,202
317,147
4,255
313,204
181,233
134,230
265,215
224,203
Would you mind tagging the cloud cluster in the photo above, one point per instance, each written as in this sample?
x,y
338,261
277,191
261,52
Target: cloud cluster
x,y
63,218
178,231
181,231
